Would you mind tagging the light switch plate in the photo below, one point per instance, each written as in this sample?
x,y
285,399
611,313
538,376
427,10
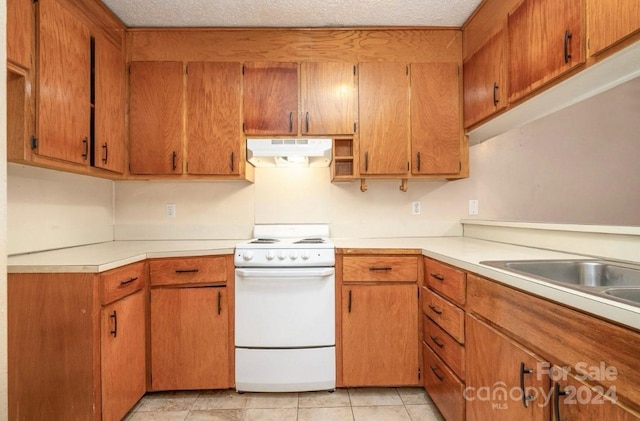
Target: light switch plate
x,y
473,207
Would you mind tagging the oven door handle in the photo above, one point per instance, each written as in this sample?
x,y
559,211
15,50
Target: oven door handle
x,y
285,273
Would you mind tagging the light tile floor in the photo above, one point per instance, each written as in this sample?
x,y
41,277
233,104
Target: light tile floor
x,y
354,404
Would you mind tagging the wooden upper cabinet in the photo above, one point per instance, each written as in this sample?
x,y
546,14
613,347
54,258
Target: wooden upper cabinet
x,y
328,98
610,21
383,95
436,128
155,118
485,80
63,84
546,39
20,29
214,126
271,98
110,104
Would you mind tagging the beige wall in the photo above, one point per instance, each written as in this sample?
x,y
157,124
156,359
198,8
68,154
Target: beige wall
x,y
4,414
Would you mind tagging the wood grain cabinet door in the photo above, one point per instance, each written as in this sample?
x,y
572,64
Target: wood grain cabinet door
x,y
63,99
546,40
610,21
503,379
189,338
383,96
436,123
271,98
214,126
20,30
485,80
379,335
110,106
122,355
328,98
155,117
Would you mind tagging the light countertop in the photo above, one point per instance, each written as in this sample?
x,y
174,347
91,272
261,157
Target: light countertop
x,y
465,253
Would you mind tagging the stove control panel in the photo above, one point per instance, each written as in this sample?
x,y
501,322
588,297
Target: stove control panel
x,y
285,257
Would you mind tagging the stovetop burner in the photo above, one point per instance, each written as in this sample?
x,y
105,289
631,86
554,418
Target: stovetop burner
x,y
317,240
264,241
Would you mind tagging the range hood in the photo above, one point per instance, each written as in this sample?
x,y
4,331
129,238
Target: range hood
x,y
289,152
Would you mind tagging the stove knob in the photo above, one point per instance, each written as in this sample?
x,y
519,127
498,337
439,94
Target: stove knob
x,y
282,255
293,255
271,255
247,255
305,255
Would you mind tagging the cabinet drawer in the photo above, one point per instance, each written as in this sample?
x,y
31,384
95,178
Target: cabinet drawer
x,y
197,270
446,315
380,269
449,281
450,351
442,385
121,282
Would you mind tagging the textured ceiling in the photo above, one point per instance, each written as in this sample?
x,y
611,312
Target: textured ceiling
x,y
292,13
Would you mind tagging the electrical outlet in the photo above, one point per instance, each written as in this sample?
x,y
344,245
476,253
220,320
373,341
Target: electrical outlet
x,y
171,210
473,207
415,208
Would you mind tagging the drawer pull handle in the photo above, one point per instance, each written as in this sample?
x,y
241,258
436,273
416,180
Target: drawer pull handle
x,y
435,309
567,39
437,276
525,398
349,303
128,281
556,400
435,371
219,302
186,270
385,268
114,316
437,342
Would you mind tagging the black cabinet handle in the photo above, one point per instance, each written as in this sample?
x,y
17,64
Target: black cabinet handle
x,y
437,276
567,38
525,398
219,302
128,281
349,303
437,342
232,161
366,161
306,124
383,269
105,158
556,400
290,122
174,159
186,270
114,316
418,157
495,94
435,309
85,154
435,371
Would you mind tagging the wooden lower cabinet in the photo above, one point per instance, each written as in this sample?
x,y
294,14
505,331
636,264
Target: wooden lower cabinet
x,y
189,338
122,355
380,335
504,380
444,388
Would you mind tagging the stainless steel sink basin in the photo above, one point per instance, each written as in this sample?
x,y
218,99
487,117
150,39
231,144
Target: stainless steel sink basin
x,y
613,280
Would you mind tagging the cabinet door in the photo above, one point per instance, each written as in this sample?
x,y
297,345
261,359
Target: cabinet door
x,y
546,39
214,96
271,98
572,399
610,21
380,335
155,118
122,355
436,127
497,371
328,98
63,84
109,106
20,29
189,339
485,80
383,95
